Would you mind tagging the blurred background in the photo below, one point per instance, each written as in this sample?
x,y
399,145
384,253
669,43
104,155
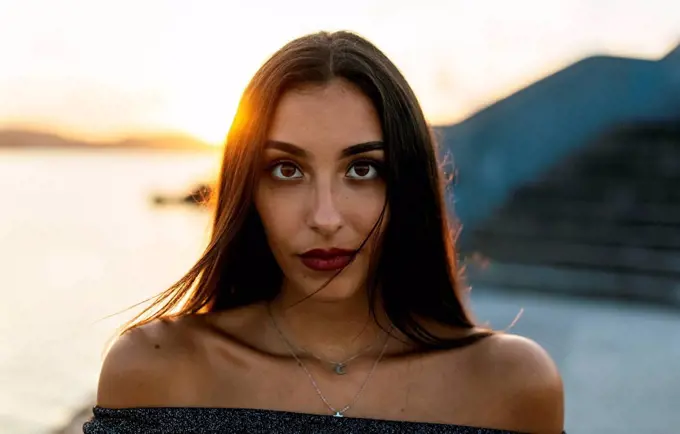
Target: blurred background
x,y
561,118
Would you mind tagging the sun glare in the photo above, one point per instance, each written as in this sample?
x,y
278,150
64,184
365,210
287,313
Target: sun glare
x,y
208,120
203,101
213,133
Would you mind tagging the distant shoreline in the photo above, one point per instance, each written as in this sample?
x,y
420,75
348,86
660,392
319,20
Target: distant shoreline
x,y
29,139
106,148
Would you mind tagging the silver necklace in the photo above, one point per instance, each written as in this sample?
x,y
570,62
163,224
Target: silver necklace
x,y
339,367
336,412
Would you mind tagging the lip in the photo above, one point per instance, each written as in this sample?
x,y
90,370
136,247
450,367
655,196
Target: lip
x,y
327,259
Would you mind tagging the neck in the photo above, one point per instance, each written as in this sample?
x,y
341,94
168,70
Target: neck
x,y
331,329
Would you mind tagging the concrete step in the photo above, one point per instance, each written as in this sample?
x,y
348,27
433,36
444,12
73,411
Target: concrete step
x,y
602,213
539,251
522,227
604,189
632,164
576,282
645,159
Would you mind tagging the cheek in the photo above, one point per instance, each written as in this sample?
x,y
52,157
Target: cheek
x,y
278,213
363,207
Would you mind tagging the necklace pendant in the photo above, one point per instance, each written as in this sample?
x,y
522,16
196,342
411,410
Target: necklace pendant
x,y
338,414
339,369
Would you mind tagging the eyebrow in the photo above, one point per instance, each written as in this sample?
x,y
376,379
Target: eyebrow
x,y
292,149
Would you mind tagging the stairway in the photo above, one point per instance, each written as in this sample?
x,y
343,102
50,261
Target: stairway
x,y
603,223
511,142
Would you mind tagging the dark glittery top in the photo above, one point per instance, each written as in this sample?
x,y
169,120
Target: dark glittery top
x,y
232,420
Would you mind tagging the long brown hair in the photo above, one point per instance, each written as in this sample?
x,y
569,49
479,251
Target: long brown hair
x,y
416,272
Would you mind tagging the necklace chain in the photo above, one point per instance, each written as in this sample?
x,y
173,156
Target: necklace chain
x,y
338,366
336,412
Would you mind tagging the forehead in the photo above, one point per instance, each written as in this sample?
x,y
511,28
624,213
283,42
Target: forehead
x,y
335,115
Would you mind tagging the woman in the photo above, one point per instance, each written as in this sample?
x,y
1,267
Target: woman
x,y
328,299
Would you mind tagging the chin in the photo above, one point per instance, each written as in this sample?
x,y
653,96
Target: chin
x,y
339,289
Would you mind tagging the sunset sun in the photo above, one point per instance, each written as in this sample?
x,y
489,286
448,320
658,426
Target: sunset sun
x,y
203,105
208,121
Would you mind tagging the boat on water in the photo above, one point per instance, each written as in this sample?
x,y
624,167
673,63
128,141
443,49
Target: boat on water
x,y
199,196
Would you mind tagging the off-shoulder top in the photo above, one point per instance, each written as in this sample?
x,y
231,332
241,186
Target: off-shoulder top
x,y
162,420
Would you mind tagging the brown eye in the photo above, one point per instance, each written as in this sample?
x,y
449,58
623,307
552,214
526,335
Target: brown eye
x,y
362,170
286,171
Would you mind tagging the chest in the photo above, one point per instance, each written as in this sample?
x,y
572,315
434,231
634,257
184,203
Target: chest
x,y
433,389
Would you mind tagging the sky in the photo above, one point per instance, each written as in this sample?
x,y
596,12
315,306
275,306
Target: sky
x,y
98,69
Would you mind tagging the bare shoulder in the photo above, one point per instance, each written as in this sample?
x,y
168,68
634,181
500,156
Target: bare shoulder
x,y
149,365
525,381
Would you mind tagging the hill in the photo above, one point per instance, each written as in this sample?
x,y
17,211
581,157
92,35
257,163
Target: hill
x,y
16,138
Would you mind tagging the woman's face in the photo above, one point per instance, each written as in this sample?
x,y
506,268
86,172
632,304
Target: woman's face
x,y
321,190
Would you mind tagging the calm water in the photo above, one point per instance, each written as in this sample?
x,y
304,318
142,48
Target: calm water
x,y
80,240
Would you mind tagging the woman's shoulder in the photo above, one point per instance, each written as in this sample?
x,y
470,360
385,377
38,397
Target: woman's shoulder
x,y
149,365
522,379
513,350
517,362
160,363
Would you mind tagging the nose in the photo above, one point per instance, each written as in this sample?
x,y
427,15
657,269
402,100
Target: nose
x,y
324,216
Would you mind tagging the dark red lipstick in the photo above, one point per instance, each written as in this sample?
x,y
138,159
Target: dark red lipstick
x,y
327,259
